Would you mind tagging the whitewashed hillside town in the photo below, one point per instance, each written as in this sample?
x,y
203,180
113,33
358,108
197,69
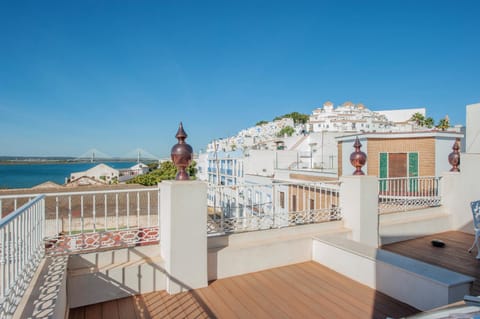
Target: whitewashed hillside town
x,y
259,154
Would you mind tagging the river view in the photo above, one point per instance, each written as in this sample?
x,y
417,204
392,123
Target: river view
x,y
29,175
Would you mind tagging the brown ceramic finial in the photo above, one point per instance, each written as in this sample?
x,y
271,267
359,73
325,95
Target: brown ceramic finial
x,y
181,155
358,158
454,157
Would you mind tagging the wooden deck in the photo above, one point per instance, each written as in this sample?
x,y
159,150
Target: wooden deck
x,y
453,256
305,290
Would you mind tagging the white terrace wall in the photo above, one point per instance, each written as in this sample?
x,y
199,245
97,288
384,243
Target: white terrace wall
x,y
459,189
473,128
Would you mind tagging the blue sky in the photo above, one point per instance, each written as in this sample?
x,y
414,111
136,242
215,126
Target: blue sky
x,y
121,75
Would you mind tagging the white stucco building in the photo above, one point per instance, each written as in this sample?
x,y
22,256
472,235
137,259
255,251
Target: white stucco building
x,y
101,173
348,117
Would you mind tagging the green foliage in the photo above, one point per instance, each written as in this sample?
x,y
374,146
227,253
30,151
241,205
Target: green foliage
x,y
418,118
443,124
153,166
297,118
429,122
286,130
422,121
261,123
165,171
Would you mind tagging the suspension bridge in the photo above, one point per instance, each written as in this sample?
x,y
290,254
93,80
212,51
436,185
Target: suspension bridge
x,y
136,155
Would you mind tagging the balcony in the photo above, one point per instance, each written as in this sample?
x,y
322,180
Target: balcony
x,y
244,251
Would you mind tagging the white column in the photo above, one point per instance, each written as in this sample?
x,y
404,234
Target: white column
x,y
183,239
359,205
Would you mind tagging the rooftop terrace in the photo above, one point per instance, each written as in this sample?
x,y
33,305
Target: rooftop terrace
x,y
307,290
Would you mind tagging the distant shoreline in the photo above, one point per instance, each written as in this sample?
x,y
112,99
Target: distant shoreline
x,y
63,161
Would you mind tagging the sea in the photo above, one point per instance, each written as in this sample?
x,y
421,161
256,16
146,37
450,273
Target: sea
x,y
28,175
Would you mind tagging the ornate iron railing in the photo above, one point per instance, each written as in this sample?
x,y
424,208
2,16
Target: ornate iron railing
x,y
82,221
408,193
258,207
21,249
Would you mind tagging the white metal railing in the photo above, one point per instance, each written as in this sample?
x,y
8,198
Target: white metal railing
x,y
257,207
81,221
21,249
408,193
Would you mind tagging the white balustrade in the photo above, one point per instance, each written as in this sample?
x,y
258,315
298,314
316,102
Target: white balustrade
x,y
81,221
407,193
21,249
257,207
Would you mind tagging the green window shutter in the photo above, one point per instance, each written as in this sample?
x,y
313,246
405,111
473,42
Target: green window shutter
x,y
383,170
413,171
412,164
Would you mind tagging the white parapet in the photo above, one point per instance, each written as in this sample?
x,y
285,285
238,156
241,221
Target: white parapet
x,y
461,188
359,205
183,241
473,128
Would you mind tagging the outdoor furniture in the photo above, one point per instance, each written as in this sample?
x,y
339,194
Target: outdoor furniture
x,y
476,223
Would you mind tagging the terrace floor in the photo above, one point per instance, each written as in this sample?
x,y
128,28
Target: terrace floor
x,y
453,255
305,290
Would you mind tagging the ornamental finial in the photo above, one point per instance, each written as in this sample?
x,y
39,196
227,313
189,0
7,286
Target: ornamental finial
x,y
358,158
454,157
181,154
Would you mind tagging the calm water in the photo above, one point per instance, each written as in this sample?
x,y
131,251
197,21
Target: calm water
x,y
29,175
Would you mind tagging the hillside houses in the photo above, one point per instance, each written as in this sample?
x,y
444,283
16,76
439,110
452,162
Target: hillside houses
x,y
323,150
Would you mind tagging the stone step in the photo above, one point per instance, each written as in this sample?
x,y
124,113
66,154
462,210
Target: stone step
x,y
109,275
414,282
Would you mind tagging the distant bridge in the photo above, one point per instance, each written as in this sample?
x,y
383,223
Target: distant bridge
x,y
138,155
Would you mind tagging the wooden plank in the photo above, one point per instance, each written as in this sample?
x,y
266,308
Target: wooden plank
x,y
224,292
110,309
141,310
283,299
299,295
332,299
94,311
359,297
125,308
251,293
356,292
194,307
216,305
305,290
166,304
77,313
259,308
182,300
153,302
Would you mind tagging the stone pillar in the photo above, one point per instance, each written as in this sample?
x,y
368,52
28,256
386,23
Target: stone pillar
x,y
359,205
183,237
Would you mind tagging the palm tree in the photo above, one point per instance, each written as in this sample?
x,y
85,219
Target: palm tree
x,y
443,124
418,118
429,122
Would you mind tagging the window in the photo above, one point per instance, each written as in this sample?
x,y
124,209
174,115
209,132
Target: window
x,y
294,203
282,199
398,165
